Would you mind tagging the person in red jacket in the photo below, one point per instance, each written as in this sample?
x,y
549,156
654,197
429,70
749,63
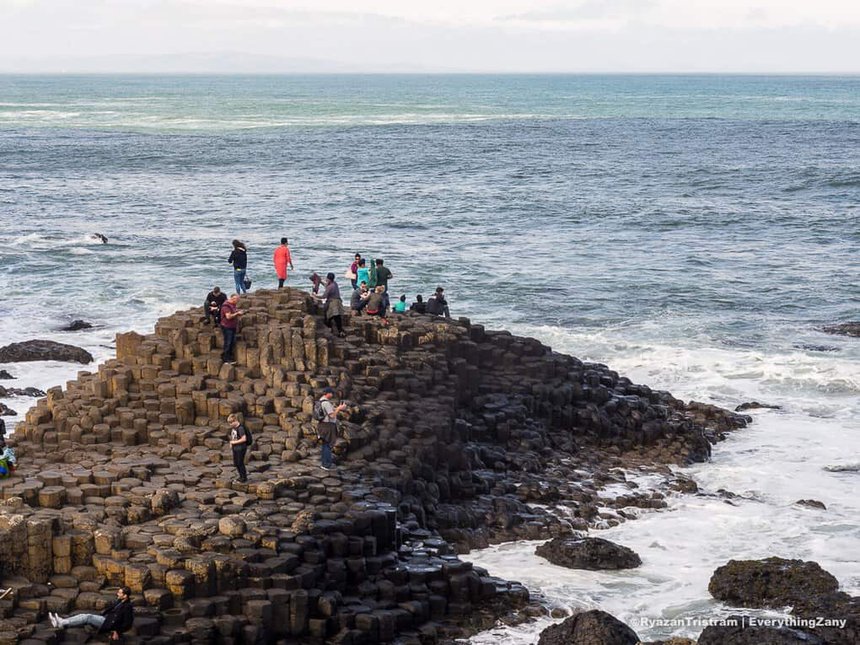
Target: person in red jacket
x,y
282,259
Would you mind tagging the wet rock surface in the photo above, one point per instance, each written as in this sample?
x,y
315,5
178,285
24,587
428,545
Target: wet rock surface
x,y
4,375
812,503
593,627
818,609
753,405
588,553
772,582
20,391
844,329
43,350
745,634
77,325
455,437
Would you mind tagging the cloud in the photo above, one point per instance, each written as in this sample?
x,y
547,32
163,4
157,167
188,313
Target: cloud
x,y
586,10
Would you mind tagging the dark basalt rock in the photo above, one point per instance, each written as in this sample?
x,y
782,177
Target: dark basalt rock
x,y
772,582
453,437
844,329
832,607
20,391
77,325
811,503
7,411
752,405
592,554
816,348
4,375
43,350
744,634
593,627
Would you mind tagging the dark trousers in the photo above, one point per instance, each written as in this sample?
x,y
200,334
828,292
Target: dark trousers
x,y
239,462
336,320
280,283
229,343
212,315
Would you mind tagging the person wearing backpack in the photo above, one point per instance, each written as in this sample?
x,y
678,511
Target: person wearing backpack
x,y
325,413
240,441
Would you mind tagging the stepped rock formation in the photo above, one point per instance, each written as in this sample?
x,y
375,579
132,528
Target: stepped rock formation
x,y
125,477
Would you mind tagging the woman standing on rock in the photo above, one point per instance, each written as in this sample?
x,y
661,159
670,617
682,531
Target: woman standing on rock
x,y
239,259
282,258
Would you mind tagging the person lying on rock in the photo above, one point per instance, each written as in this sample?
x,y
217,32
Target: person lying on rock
x,y
116,619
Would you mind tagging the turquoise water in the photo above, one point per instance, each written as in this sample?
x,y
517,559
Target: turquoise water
x,y
694,232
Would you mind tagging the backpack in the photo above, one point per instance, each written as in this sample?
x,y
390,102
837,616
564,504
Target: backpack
x,y
249,438
319,413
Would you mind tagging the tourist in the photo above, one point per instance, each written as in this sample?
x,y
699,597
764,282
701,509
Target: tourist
x,y
212,305
419,306
383,275
362,274
400,305
353,271
239,445
317,282
327,427
376,302
282,258
7,459
358,300
116,619
333,305
437,305
239,259
229,326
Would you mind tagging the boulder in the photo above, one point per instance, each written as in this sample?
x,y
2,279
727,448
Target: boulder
x,y
772,582
811,503
6,411
844,329
77,325
20,391
43,350
593,627
752,405
742,633
588,553
4,375
836,617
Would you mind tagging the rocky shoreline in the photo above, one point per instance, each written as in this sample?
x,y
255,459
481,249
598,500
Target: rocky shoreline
x,y
456,437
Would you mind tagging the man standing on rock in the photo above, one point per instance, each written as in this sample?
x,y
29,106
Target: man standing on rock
x,y
327,426
239,445
229,326
116,619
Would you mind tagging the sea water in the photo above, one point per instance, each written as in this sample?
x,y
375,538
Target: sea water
x,y
694,233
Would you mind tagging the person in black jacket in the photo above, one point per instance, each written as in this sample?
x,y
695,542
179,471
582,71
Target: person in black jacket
x,y
212,306
437,305
115,620
239,259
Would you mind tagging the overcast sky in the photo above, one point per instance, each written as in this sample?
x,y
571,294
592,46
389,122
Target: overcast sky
x,y
438,35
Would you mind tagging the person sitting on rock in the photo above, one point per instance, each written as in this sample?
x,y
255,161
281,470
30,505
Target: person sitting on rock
x,y
358,299
116,619
212,305
400,305
437,305
7,459
419,306
376,302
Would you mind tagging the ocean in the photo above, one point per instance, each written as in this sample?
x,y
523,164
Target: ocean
x,y
692,232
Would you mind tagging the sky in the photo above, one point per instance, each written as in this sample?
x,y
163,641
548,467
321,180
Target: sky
x,y
521,36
